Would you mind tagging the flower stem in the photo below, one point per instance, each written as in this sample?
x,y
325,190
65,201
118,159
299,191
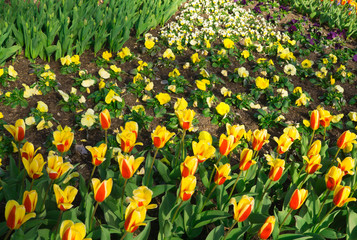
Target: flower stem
x,y
324,134
91,218
214,169
312,137
234,186
8,234
182,148
31,184
47,190
58,221
286,217
152,164
318,225
122,197
207,199
106,136
303,181
20,157
323,203
122,238
334,158
230,229
264,192
91,175
177,210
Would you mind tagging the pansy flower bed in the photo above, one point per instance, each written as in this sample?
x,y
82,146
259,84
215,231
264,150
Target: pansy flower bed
x,y
235,120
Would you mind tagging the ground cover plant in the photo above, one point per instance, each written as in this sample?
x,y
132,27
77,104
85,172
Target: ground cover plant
x,y
236,120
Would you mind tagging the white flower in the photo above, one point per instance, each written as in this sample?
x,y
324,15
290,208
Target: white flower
x,y
88,118
30,121
88,83
103,74
283,93
290,69
242,72
82,99
64,95
339,89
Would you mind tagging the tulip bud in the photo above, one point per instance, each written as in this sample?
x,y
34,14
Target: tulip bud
x,y
345,139
298,198
267,228
226,144
185,118
160,136
55,166
188,185
15,214
63,139
277,167
189,166
222,173
333,178
313,164
260,137
17,131
105,120
246,159
340,196
102,189
314,149
325,117
29,200
243,209
128,165
315,120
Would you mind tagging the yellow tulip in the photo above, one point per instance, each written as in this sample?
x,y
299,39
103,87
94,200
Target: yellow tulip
x,y
160,136
128,165
243,209
17,131
187,188
189,166
203,150
102,189
64,198
141,197
73,231
222,173
29,200
63,139
15,214
238,131
185,118
340,196
34,167
98,153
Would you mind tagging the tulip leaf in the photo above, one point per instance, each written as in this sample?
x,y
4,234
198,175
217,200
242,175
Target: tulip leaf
x,y
351,224
292,236
163,171
3,228
237,233
210,216
105,234
144,235
301,224
43,234
160,189
331,234
216,233
204,175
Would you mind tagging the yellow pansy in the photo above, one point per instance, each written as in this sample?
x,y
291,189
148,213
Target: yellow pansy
x,y
163,98
222,108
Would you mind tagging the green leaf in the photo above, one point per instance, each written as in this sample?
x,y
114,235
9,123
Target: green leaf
x,y
163,171
331,234
210,216
216,233
351,224
204,175
237,233
105,234
144,235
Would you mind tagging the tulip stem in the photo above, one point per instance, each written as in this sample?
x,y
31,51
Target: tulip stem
x,y
323,203
31,184
106,136
246,174
286,217
122,238
8,234
122,197
234,186
230,229
91,219
176,212
312,137
303,181
152,164
214,169
334,158
47,190
58,221
318,225
182,148
207,199
264,192
20,157
324,134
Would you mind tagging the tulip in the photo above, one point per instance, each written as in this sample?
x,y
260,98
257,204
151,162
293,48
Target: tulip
x,y
160,136
238,131
205,136
277,167
260,137
203,150
188,185
28,151
34,168
63,139
189,166
292,132
325,117
298,198
222,173
315,120
314,149
102,189
127,140
17,131
128,165
142,197
347,165
267,228
55,166
345,139
246,159
134,218
313,163
243,209
132,127
98,153
185,118
64,198
333,178
340,196
284,142
15,214
29,200
72,231
105,120
226,144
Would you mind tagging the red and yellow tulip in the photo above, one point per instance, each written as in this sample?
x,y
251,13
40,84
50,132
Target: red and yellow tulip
x,y
243,209
277,167
102,189
222,173
346,138
298,198
15,214
56,167
132,127
34,168
325,117
28,151
64,198
313,163
260,137
141,197
292,132
226,144
347,165
284,142
98,153
189,166
246,159
160,136
17,131
333,178
315,120
188,185
267,228
203,150
105,120
134,218
238,131
341,195
73,231
63,139
29,200
315,149
127,140
128,165
185,118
